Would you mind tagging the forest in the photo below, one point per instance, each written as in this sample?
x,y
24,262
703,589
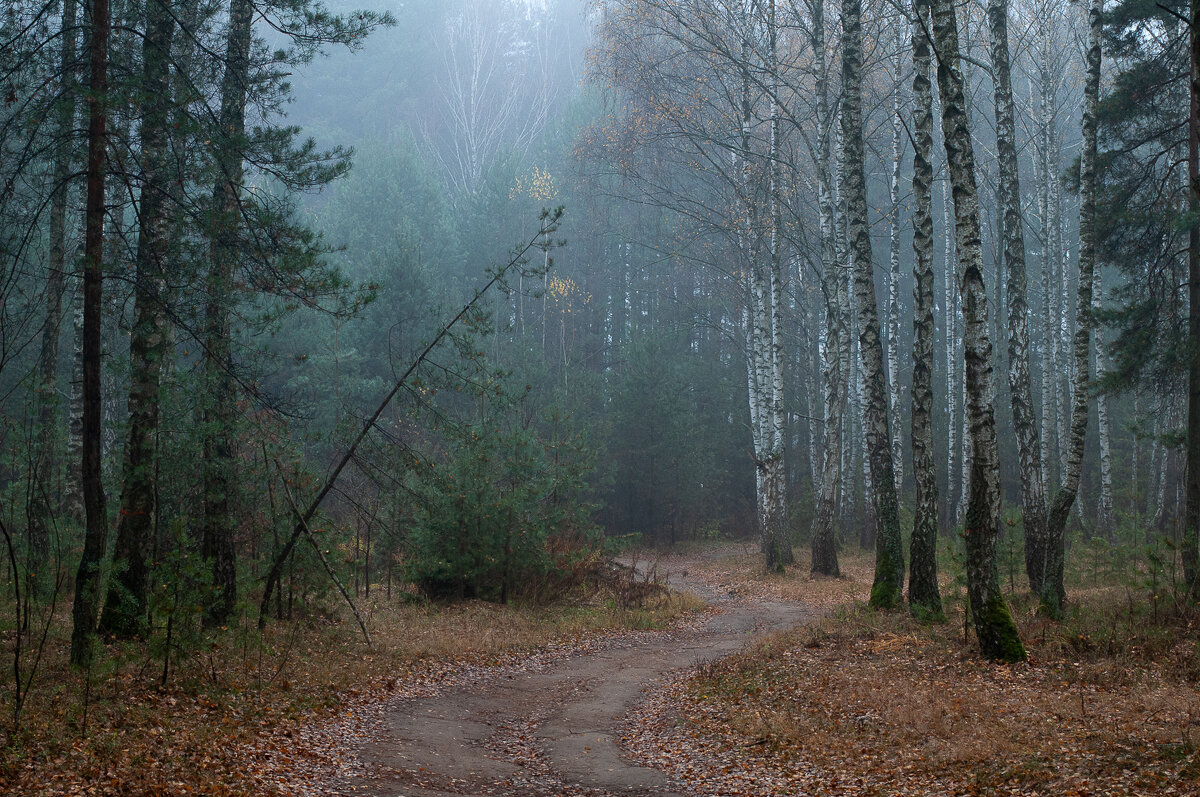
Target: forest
x,y
803,397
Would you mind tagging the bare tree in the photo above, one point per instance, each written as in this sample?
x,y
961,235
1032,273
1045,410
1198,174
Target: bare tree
x,y
924,597
889,562
88,577
994,627
1053,590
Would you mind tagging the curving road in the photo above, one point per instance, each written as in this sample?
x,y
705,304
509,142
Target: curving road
x,y
553,731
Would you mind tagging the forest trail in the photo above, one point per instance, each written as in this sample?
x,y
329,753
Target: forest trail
x,y
554,731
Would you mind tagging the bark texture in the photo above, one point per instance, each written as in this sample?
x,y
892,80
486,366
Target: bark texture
x,y
1053,590
88,577
924,598
994,627
886,592
893,304
1025,425
48,454
1104,514
125,605
824,537
1190,550
217,540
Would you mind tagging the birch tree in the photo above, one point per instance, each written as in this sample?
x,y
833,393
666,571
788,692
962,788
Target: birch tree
x,y
886,592
48,456
893,305
833,289
1053,591
994,627
924,597
84,612
1033,492
126,601
1104,508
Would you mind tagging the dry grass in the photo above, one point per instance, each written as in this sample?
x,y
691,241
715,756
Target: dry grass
x,y
117,731
875,703
737,570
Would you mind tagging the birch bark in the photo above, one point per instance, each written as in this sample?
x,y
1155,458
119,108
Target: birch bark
x,y
48,455
924,599
893,315
1053,590
85,609
125,605
889,555
1103,427
994,627
824,544
1033,491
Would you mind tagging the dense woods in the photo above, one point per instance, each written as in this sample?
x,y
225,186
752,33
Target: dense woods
x,y
452,299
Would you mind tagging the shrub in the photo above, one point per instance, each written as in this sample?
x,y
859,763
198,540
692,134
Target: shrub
x,y
501,515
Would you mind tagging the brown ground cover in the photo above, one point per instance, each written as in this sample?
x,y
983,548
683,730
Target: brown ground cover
x,y
246,711
875,703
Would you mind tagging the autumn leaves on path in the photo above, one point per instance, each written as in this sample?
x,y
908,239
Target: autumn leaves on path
x,y
552,727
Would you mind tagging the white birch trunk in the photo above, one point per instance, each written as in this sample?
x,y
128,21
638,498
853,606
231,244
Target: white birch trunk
x,y
1104,513
893,315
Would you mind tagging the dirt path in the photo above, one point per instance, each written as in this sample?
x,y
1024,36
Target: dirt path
x,y
552,731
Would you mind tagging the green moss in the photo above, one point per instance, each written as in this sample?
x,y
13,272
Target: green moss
x,y
884,595
998,637
927,614
1051,604
885,592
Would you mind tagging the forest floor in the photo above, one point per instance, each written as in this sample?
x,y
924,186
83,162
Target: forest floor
x,y
782,685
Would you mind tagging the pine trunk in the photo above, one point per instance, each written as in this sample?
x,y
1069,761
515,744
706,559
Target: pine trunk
x,y
1190,550
220,414
994,627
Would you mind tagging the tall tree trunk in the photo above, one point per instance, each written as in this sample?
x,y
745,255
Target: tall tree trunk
x,y
1104,428
779,546
924,598
953,387
1033,490
1190,549
46,464
893,311
1049,426
126,602
824,537
844,269
1053,590
221,413
994,627
886,592
88,577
